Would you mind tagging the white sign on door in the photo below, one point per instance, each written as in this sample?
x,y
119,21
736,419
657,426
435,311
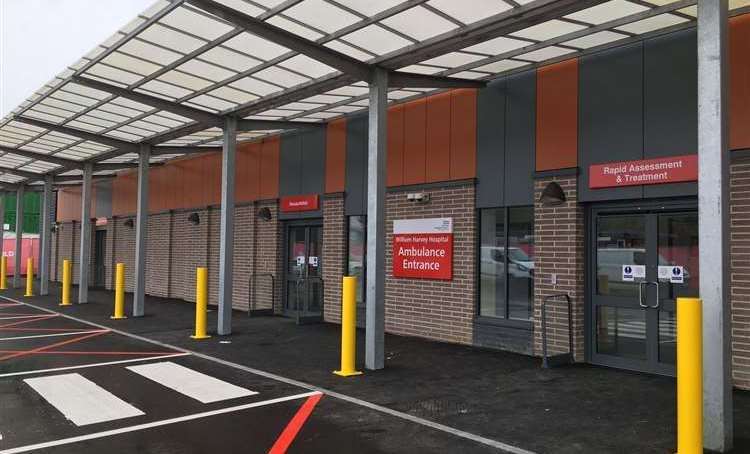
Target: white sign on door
x,y
632,272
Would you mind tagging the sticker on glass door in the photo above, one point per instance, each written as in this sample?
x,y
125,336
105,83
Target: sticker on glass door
x,y
632,272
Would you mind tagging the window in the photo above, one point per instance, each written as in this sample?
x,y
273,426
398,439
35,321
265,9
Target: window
x,y
506,255
356,254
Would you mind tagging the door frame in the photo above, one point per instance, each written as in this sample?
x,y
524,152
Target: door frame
x,y
658,206
286,226
100,269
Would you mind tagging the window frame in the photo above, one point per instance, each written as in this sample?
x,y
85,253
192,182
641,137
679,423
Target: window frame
x,y
505,321
364,253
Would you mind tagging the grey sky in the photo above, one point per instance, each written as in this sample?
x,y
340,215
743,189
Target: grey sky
x,y
39,38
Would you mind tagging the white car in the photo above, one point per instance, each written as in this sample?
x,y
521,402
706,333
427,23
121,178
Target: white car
x,y
520,265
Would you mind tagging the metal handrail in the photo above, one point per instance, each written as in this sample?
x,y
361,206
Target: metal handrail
x,y
251,294
564,358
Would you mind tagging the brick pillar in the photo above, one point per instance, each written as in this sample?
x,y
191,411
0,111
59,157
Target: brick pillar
x,y
739,222
267,257
559,246
334,255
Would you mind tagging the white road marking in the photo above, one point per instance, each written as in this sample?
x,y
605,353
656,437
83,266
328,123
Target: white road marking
x,y
290,381
26,316
150,425
80,400
36,336
86,366
194,384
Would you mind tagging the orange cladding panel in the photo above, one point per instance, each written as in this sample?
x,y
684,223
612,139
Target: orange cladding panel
x,y
69,204
415,118
124,194
335,155
241,181
395,150
463,156
739,82
438,137
557,116
269,168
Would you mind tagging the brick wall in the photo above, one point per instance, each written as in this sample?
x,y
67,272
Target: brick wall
x,y
559,246
158,254
244,248
740,270
268,258
334,255
189,251
124,249
440,310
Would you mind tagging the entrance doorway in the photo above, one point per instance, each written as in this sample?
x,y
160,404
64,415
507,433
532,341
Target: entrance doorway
x,y
642,257
303,280
100,243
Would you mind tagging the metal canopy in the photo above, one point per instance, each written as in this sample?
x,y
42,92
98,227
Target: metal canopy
x,y
172,75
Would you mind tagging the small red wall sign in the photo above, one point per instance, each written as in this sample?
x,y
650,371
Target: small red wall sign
x,y
423,248
299,203
673,169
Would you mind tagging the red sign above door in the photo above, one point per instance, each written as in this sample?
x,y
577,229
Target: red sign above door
x,y
673,169
299,203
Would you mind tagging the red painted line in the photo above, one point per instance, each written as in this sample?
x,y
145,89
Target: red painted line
x,y
51,346
10,304
295,424
54,330
82,352
34,319
19,314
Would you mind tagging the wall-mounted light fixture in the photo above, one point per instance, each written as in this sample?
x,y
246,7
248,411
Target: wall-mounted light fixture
x,y
264,214
55,227
129,223
194,219
552,195
418,197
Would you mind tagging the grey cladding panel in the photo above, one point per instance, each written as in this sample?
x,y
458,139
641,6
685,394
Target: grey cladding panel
x,y
103,199
520,139
355,201
313,162
670,104
490,145
610,115
290,165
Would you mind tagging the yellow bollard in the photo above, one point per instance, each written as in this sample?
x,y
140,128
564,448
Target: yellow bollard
x,y
29,277
689,376
3,273
66,283
348,328
201,303
119,292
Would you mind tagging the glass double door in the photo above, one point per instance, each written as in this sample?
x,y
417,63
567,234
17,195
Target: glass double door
x,y
642,260
303,290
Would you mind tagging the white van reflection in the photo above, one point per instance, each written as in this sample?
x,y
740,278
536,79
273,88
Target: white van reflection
x,y
520,265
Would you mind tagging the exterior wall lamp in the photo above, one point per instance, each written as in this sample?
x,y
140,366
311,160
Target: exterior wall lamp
x,y
129,223
194,219
552,195
264,214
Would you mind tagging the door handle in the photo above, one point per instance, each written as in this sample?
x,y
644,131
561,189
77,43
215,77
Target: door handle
x,y
640,294
656,306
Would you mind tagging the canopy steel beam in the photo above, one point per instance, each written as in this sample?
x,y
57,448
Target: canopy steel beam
x,y
153,101
63,179
85,247
340,61
22,173
267,125
122,145
402,80
330,57
42,157
159,151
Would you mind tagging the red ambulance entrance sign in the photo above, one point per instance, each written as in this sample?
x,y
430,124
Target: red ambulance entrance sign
x,y
423,248
673,169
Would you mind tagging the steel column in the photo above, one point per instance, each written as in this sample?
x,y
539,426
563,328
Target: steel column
x,y
376,143
713,223
45,237
19,236
226,241
141,232
3,194
85,248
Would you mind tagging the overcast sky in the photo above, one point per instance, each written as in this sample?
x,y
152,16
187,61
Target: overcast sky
x,y
40,38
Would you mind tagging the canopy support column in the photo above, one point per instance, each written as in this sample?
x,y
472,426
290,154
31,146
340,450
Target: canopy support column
x,y
141,221
376,143
19,237
3,194
226,241
85,250
713,223
45,237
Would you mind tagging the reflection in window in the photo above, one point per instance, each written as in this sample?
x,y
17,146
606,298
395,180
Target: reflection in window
x,y
678,247
621,241
506,285
356,254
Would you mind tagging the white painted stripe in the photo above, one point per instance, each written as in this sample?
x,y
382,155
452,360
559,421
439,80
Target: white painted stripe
x,y
80,400
86,366
194,384
36,336
290,381
27,316
150,425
